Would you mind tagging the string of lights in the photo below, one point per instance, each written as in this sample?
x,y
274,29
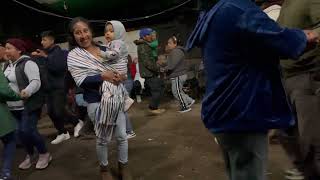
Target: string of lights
x,y
103,20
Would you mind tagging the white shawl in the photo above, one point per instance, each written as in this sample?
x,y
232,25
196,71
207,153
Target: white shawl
x,y
82,64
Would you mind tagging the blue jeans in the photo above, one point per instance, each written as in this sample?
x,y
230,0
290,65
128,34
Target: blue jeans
x,y
129,128
245,155
80,101
128,84
9,142
28,131
120,135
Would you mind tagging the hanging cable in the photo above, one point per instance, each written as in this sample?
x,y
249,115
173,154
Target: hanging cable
x,y
157,14
103,20
41,11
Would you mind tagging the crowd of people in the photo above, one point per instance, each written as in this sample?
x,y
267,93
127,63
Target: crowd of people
x,y
262,72
96,78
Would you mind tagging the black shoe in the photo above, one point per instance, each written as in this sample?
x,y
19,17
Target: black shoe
x,y
185,110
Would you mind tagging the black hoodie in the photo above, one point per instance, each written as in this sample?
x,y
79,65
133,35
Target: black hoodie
x,y
57,68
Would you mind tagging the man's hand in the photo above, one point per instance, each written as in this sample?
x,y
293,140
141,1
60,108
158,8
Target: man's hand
x,y
312,36
162,60
312,39
39,53
24,94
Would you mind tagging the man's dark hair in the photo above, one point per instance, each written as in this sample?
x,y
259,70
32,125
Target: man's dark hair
x,y
48,34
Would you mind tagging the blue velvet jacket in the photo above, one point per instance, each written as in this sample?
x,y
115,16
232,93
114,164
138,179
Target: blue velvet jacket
x,y
241,48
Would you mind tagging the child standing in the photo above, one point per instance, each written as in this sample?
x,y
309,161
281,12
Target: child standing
x,y
177,72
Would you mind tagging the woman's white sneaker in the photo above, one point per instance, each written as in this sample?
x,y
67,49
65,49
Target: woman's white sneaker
x,y
77,128
60,138
43,161
26,164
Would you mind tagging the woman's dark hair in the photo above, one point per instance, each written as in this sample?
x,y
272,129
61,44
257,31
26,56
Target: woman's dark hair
x,y
176,39
71,39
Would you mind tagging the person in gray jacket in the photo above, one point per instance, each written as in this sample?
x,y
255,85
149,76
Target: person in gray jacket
x,y
177,72
24,78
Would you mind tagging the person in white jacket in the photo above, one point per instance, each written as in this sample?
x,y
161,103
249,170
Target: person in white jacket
x,y
272,8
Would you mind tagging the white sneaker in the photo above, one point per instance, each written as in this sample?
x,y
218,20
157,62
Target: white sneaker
x,y
216,140
77,128
60,138
131,135
127,104
294,171
192,102
294,177
138,99
43,161
26,164
294,174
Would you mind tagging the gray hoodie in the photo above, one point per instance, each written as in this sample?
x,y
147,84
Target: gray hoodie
x,y
177,65
116,54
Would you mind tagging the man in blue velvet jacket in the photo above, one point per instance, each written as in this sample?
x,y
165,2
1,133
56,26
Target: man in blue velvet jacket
x,y
245,97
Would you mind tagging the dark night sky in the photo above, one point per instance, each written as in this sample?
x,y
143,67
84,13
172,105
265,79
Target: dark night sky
x,y
16,20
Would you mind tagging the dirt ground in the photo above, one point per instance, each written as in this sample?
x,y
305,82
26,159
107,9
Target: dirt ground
x,y
172,146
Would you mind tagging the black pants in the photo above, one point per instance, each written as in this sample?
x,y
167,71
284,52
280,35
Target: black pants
x,y
136,90
302,143
245,155
156,86
82,112
56,104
